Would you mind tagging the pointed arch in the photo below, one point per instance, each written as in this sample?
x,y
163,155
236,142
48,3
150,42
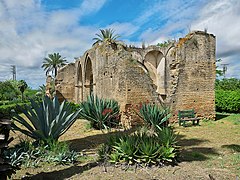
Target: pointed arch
x,y
155,62
88,81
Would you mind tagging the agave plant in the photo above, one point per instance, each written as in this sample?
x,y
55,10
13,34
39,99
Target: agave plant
x,y
154,116
46,120
102,113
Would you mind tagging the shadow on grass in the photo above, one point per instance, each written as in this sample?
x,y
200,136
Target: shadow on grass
x,y
92,142
192,151
220,116
234,147
62,174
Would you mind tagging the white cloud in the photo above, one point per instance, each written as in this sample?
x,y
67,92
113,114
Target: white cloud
x,y
29,32
222,18
125,29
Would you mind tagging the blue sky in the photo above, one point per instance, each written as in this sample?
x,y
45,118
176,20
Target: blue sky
x,y
31,29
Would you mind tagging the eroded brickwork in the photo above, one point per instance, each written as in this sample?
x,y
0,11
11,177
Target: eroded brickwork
x,y
181,75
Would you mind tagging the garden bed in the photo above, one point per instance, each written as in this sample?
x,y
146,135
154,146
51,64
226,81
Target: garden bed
x,y
209,150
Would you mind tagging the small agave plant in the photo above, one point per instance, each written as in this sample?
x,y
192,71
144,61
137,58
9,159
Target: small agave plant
x,y
46,120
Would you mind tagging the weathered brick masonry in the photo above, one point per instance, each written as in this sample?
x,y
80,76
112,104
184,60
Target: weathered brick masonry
x,y
181,75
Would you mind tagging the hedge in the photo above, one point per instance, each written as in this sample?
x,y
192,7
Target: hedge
x,y
7,110
228,101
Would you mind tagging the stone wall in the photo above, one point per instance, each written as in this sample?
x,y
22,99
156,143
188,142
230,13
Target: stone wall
x,y
195,71
181,75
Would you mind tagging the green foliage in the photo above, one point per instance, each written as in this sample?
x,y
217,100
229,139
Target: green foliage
x,y
227,101
22,85
30,154
141,147
10,108
219,72
74,107
53,62
6,169
154,116
102,113
165,43
30,93
106,35
231,84
46,120
227,95
8,91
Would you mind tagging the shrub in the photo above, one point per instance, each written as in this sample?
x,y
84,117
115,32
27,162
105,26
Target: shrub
x,y
154,116
8,91
231,84
227,101
47,120
7,110
102,113
140,148
30,154
6,169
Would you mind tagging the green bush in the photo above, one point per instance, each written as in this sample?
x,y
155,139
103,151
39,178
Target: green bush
x,y
102,113
7,110
227,101
30,154
46,120
231,84
141,148
154,116
8,91
6,169
74,107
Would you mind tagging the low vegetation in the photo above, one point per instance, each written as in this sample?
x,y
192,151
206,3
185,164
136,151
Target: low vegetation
x,y
228,95
34,154
6,168
142,147
102,113
46,120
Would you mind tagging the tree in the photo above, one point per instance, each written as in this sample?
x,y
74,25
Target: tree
x,y
53,62
8,91
22,85
219,72
106,35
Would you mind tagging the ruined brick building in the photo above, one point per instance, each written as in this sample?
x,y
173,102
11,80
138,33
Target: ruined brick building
x,y
180,75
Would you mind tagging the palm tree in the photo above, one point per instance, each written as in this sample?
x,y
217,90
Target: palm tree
x,y
53,62
22,85
106,35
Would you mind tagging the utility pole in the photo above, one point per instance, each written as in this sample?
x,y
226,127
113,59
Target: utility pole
x,y
14,72
224,69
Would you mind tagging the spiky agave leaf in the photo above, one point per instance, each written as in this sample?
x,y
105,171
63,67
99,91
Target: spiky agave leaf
x,y
46,120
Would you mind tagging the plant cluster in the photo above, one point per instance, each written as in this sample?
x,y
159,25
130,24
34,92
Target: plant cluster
x,y
227,101
8,91
102,113
154,116
165,43
8,109
30,154
6,169
227,95
143,147
106,35
153,144
231,84
46,120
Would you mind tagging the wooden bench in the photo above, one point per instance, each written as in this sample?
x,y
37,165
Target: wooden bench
x,y
187,115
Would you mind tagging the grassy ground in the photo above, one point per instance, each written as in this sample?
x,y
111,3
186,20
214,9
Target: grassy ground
x,y
209,150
